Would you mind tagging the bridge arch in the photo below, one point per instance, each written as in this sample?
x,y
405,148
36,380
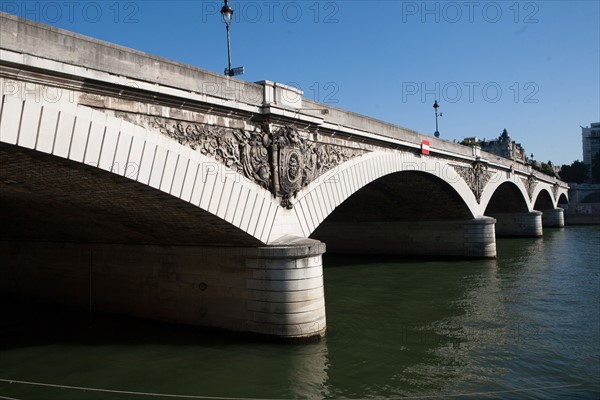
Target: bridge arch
x,y
234,281
395,203
543,201
403,195
513,212
320,198
502,195
563,200
506,197
117,152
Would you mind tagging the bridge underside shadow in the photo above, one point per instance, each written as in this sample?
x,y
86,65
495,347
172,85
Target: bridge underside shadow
x,y
407,214
513,218
76,235
45,198
551,217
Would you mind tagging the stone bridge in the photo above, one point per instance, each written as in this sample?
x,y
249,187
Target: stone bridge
x,y
137,185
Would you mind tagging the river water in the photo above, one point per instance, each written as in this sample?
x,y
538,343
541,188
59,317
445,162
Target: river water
x,y
523,326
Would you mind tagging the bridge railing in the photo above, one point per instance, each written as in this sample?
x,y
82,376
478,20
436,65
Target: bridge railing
x,y
29,37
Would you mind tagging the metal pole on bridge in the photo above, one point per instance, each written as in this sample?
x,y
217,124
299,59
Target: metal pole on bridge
x,y
435,107
227,14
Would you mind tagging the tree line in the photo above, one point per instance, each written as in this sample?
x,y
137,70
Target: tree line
x,y
577,172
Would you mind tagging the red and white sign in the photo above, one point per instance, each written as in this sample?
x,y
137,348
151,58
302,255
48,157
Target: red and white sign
x,y
425,146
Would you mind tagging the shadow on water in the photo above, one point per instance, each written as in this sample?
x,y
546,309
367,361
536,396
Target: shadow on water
x,y
51,344
32,323
381,327
527,321
340,260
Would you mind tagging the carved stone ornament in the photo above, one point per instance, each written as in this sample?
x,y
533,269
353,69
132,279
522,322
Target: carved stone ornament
x,y
281,161
555,189
530,184
476,176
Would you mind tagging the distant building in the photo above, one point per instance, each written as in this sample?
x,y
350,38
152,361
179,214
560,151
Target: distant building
x,y
590,137
503,146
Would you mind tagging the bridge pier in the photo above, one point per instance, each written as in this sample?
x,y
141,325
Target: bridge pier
x,y
286,298
523,224
553,218
480,238
451,238
274,291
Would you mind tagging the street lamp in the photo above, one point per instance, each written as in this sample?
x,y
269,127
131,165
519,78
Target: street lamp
x,y
435,107
227,13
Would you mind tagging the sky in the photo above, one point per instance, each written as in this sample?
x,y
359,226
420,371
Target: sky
x,y
531,67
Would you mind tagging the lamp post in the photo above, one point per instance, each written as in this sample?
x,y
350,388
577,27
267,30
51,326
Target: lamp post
x,y
435,107
227,14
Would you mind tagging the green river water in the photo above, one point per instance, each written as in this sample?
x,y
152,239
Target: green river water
x,y
523,326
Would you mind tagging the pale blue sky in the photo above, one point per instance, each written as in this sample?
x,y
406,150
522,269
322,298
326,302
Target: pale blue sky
x,y
532,67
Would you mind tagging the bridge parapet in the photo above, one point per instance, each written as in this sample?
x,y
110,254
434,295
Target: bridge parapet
x,y
35,39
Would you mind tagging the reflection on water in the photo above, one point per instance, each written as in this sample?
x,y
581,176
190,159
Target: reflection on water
x,y
525,325
307,377
126,355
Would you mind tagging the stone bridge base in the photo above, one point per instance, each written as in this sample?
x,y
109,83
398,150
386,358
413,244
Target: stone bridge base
x,y
524,224
274,291
553,218
453,238
480,238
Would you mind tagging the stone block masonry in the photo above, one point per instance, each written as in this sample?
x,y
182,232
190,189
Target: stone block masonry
x,y
527,224
275,291
453,238
553,218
